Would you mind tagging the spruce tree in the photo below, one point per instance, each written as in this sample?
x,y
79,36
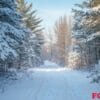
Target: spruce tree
x,y
35,39
11,32
86,31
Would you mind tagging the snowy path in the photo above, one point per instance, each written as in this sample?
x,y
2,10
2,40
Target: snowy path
x,y
51,84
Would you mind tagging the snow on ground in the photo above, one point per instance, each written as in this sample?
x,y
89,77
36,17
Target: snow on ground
x,y
51,84
49,64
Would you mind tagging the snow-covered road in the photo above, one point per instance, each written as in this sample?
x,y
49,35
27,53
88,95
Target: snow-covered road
x,y
51,84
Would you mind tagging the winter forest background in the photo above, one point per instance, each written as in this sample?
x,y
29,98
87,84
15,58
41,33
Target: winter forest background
x,y
73,41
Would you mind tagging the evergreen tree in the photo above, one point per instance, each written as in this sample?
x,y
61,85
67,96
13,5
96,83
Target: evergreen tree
x,y
86,28
35,39
11,32
30,18
86,31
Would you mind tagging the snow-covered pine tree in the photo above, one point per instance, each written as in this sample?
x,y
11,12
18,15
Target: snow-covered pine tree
x,y
79,33
86,28
11,32
35,40
94,38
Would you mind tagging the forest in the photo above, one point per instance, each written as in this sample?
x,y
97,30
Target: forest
x,y
73,41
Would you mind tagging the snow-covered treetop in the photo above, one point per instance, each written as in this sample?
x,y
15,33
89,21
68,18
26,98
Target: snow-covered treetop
x,y
86,21
8,3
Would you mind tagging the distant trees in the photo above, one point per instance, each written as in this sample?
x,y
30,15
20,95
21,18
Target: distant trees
x,y
63,34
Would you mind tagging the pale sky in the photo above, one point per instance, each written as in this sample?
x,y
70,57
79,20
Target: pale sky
x,y
51,10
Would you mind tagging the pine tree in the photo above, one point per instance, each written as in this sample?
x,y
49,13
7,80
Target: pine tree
x,y
11,32
86,28
95,38
86,31
35,39
30,18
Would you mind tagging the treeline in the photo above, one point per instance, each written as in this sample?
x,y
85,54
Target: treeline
x,y
21,35
59,41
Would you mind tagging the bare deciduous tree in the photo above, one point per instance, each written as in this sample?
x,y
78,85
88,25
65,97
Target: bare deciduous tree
x,y
62,30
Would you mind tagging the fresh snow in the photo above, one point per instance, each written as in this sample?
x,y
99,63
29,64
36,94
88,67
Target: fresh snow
x,y
48,83
49,64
